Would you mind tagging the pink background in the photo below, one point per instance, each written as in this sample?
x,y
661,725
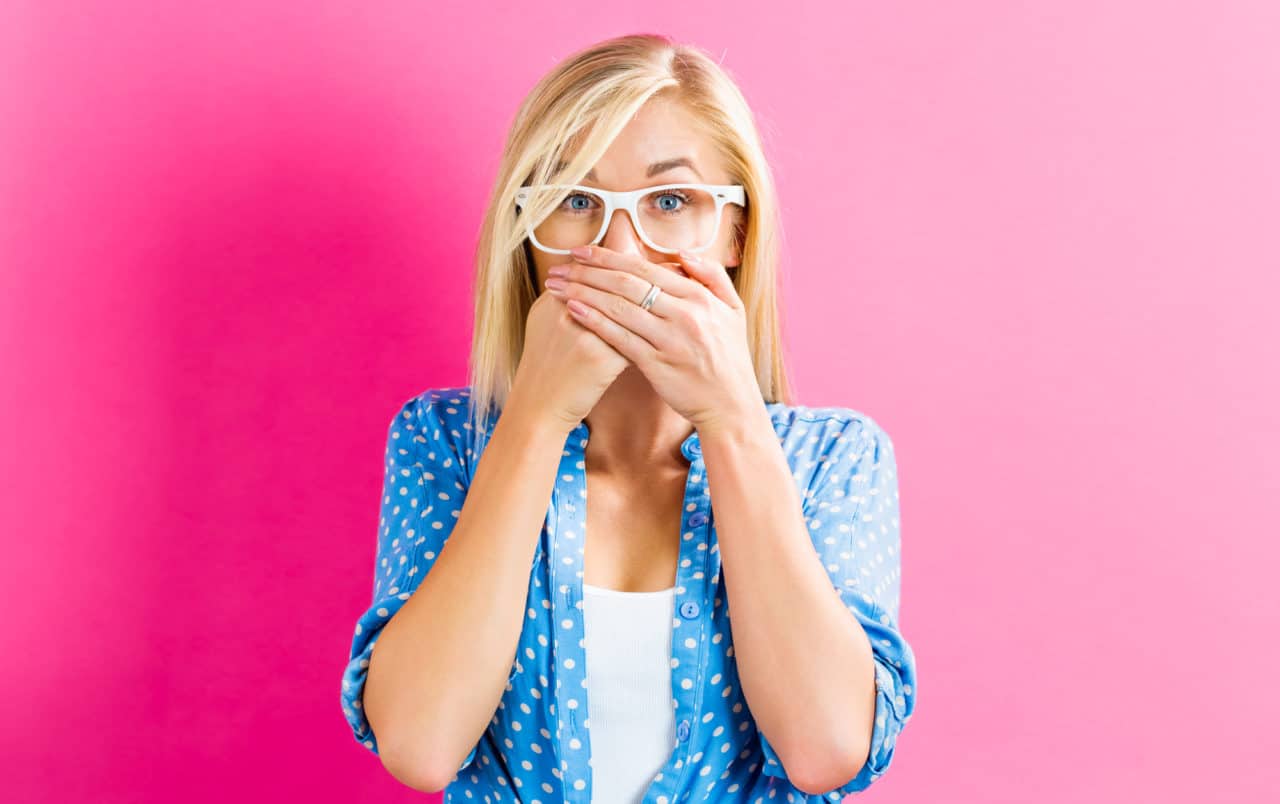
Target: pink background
x,y
1036,241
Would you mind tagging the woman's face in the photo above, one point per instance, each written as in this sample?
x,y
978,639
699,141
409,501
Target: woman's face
x,y
661,131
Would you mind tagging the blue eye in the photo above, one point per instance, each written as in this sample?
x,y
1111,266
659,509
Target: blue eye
x,y
578,202
678,196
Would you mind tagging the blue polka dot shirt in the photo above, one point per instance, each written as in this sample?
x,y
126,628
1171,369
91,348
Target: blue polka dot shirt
x,y
537,746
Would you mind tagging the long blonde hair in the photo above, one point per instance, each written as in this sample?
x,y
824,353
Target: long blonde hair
x,y
583,104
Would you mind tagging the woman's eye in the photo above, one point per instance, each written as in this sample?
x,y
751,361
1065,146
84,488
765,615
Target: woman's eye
x,y
668,202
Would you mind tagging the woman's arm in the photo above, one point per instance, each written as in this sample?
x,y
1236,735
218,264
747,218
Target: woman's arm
x,y
441,663
812,585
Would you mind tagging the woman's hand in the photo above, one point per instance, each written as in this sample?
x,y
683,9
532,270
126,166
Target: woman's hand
x,y
564,368
691,344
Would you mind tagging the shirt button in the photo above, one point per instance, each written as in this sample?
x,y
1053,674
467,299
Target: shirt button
x,y
688,609
682,731
697,518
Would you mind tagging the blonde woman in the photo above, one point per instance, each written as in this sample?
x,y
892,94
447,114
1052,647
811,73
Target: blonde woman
x,y
559,612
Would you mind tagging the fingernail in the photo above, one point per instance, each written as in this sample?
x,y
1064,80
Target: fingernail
x,y
558,270
690,257
581,251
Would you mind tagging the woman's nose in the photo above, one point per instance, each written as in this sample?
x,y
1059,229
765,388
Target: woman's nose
x,y
622,237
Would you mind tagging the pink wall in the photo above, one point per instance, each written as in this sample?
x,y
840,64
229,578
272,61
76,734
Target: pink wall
x,y
235,237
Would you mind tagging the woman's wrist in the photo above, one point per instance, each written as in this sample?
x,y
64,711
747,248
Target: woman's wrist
x,y
535,420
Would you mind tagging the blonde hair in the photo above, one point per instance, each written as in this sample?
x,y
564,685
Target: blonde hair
x,y
584,103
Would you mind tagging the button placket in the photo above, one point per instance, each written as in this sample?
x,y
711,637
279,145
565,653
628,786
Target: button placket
x,y
569,664
693,577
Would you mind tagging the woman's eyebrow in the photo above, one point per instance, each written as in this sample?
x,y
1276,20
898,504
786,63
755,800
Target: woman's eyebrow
x,y
654,169
670,164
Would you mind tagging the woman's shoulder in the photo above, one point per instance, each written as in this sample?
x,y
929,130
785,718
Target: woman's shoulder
x,y
835,421
441,417
443,402
437,408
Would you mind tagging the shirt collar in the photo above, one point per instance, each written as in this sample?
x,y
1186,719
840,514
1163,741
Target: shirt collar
x,y
691,447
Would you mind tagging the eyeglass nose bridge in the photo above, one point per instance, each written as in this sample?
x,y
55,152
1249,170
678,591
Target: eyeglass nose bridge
x,y
627,202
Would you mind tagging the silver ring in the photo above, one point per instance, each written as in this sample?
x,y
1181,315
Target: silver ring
x,y
650,297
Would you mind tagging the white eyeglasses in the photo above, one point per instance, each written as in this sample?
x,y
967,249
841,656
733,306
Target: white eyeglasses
x,y
690,225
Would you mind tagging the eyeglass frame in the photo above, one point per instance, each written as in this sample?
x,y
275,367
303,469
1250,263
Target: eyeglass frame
x,y
627,200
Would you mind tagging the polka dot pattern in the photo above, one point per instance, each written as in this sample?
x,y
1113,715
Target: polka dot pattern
x,y
537,746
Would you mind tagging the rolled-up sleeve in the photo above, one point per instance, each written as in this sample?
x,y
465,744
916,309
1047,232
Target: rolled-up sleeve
x,y
852,511
423,489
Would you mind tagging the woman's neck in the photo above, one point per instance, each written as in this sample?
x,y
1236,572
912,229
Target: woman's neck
x,y
631,428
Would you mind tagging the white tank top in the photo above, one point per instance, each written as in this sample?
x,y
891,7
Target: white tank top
x,y
631,722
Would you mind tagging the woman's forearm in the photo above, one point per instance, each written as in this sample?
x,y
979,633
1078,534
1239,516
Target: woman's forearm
x,y
805,663
440,666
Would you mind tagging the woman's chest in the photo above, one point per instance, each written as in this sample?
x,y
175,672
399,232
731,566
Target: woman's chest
x,y
632,530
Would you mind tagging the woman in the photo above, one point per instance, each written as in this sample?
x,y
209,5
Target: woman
x,y
519,663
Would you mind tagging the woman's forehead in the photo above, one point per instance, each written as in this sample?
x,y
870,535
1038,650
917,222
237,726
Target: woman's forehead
x,y
663,139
